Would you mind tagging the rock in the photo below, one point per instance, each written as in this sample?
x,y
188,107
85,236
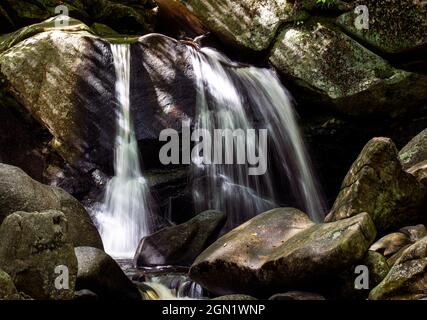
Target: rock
x,y
407,279
7,287
415,152
395,26
281,248
18,192
85,295
126,16
334,69
235,297
419,171
297,295
82,126
32,247
98,272
377,184
251,24
181,244
103,30
377,266
393,245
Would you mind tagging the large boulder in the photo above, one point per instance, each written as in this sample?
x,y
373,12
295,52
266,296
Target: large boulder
x,y
18,192
181,244
99,273
7,287
335,69
395,26
407,279
82,126
251,24
377,184
281,249
32,247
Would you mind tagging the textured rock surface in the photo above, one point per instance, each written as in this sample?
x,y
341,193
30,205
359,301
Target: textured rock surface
x,y
247,23
415,151
181,244
336,69
407,279
98,272
281,248
7,287
377,184
394,25
32,245
18,192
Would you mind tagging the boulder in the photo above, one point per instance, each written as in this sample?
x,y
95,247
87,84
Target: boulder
x,y
335,69
32,247
181,244
415,151
419,171
407,279
395,26
393,245
297,295
7,287
18,192
377,184
127,16
99,273
279,249
251,24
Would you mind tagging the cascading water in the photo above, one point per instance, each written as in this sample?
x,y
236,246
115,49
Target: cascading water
x,y
232,96
125,216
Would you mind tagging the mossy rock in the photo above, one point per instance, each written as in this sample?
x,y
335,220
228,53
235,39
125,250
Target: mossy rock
x,y
7,287
335,69
395,26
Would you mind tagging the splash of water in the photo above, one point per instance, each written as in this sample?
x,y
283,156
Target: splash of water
x,y
230,96
125,217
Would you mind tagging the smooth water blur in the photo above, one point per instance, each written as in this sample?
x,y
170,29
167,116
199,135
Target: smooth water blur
x,y
231,96
125,215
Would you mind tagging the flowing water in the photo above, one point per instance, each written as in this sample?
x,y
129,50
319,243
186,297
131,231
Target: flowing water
x,y
125,215
232,96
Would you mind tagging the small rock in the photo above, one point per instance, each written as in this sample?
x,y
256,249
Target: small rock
x,y
297,295
7,287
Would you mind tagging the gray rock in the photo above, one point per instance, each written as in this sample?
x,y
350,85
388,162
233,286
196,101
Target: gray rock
x,y
407,279
377,184
18,192
98,272
181,244
281,248
335,69
85,295
32,246
235,297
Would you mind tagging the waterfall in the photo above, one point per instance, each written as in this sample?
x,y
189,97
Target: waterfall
x,y
233,96
124,218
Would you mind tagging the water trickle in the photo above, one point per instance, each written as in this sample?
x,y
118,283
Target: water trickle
x,y
125,215
232,96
